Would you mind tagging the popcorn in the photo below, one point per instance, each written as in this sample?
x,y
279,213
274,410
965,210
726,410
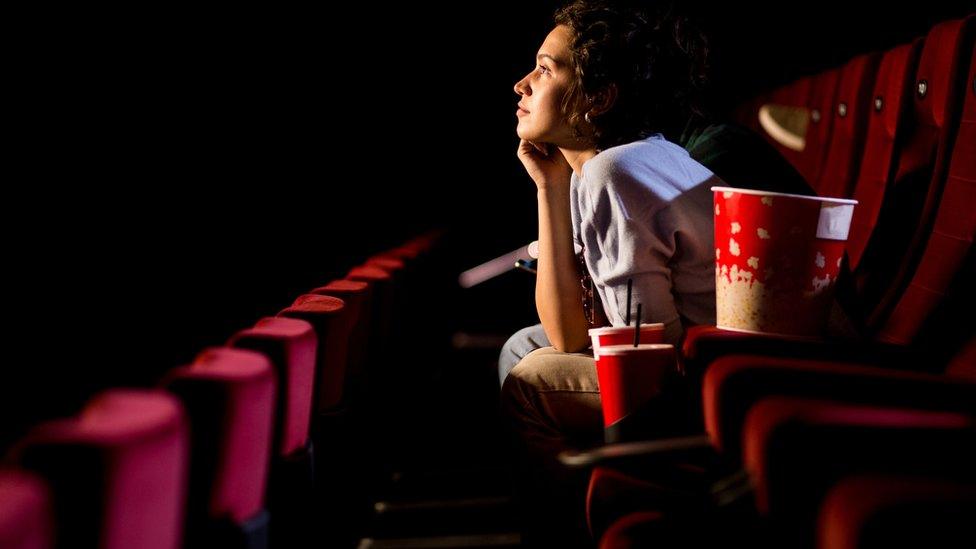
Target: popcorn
x,y
773,287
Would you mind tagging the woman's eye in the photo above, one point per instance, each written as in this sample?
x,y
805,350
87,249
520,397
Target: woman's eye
x,y
542,69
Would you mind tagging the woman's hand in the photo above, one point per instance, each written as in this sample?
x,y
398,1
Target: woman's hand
x,y
545,164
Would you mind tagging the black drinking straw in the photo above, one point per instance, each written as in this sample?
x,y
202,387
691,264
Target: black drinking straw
x,y
630,286
637,327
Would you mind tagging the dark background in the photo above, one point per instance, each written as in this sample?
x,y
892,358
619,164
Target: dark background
x,y
175,174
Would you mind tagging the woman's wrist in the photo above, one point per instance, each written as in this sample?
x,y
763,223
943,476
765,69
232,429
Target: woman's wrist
x,y
552,192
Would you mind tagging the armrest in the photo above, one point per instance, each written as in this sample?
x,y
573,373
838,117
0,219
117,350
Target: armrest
x,y
662,451
733,384
795,449
704,344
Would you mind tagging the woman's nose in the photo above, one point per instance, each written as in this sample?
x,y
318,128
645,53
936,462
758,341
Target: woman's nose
x,y
521,88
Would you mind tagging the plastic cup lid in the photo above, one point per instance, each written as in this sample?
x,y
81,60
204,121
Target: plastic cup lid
x,y
617,329
626,349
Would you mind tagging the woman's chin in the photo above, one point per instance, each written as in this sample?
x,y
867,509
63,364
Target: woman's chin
x,y
527,134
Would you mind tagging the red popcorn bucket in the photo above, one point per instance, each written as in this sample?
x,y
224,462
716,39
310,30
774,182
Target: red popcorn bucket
x,y
630,377
622,335
777,258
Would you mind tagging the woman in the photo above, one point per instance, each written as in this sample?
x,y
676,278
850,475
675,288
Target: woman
x,y
608,83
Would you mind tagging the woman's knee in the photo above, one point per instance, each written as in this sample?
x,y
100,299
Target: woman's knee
x,y
518,347
555,389
547,369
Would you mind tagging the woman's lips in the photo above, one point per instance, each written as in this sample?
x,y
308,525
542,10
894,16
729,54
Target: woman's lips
x,y
521,111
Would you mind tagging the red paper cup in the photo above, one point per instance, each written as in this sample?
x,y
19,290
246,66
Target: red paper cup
x,y
623,335
631,376
777,257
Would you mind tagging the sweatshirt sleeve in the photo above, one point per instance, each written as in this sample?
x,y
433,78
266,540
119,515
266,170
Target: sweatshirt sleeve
x,y
626,231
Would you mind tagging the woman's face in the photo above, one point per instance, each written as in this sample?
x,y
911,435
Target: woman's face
x,y
540,116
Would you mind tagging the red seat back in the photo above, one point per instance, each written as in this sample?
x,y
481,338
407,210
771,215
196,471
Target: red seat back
x,y
332,323
953,231
229,397
117,471
889,100
850,112
823,89
26,520
913,197
290,345
874,511
358,296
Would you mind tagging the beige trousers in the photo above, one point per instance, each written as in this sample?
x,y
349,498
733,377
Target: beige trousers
x,y
552,403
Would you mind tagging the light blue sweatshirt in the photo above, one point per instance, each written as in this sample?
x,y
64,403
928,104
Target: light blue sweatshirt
x,y
644,211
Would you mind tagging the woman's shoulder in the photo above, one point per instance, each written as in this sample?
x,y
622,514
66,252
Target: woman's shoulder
x,y
636,154
650,161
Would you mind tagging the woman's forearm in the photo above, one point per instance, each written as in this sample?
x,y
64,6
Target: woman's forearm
x,y
558,295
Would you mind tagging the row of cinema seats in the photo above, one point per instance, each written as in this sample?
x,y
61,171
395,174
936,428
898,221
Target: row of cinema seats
x,y
866,438
238,449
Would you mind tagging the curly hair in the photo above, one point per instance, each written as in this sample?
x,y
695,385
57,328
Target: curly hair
x,y
656,59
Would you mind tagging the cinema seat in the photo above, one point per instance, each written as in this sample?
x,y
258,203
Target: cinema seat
x,y
952,234
911,202
889,101
383,289
117,471
358,297
26,514
876,511
823,88
332,323
850,110
794,450
229,396
290,345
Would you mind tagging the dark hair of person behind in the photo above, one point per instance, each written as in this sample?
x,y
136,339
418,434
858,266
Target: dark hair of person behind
x,y
657,58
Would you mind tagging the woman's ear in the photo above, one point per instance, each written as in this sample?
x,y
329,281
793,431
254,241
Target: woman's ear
x,y
603,100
